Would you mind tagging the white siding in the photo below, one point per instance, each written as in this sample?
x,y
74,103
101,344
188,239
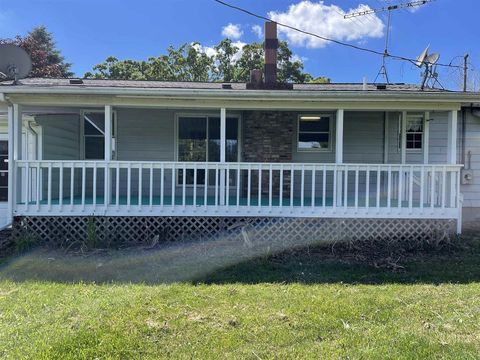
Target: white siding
x,y
61,136
472,143
146,135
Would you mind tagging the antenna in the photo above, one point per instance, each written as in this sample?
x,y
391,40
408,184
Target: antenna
x,y
411,4
390,8
15,63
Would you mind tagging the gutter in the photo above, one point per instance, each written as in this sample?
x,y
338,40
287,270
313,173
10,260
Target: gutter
x,y
245,94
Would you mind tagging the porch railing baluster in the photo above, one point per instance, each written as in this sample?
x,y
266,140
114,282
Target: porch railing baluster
x,y
150,190
129,185
259,186
117,186
94,185
184,185
140,184
444,187
410,190
313,186
379,170
195,185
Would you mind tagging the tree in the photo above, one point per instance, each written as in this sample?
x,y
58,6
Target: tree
x,y
190,62
47,60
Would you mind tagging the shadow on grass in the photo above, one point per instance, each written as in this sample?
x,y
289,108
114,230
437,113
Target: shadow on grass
x,y
224,261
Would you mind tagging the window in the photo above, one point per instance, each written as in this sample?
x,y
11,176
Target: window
x,y
94,135
199,140
414,132
313,132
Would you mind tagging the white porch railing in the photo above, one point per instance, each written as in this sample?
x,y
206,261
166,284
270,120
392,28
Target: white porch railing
x,y
249,189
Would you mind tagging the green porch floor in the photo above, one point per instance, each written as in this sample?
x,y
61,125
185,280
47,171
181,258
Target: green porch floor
x,y
232,201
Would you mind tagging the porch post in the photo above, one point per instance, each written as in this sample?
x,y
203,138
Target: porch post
x,y
339,154
17,155
426,136
403,136
452,137
452,159
10,165
108,153
223,152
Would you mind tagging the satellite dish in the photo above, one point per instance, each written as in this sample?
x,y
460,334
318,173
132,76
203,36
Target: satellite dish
x,y
14,62
432,59
429,62
422,57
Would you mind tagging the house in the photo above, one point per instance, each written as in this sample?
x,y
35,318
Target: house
x,y
183,159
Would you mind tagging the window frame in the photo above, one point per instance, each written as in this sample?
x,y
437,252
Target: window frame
x,y
205,115
409,116
329,132
83,135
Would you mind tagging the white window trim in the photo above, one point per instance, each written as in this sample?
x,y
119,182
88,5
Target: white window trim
x,y
419,150
82,132
330,134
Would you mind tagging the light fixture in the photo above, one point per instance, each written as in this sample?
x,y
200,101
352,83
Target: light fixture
x,y
310,118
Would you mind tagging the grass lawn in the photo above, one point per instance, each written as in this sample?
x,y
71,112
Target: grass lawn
x,y
301,306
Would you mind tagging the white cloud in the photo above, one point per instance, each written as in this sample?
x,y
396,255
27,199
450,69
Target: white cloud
x,y
327,21
257,30
210,50
232,31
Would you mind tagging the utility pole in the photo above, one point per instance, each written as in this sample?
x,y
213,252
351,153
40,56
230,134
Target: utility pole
x,y
465,72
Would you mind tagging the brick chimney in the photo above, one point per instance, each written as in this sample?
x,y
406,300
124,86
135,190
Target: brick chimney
x,y
270,48
269,81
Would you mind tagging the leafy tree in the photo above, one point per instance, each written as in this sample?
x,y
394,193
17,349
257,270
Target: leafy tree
x,y
319,80
47,60
189,62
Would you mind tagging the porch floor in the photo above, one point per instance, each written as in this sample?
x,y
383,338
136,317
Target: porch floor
x,y
232,201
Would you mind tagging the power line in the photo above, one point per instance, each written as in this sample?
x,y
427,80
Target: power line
x,y
338,42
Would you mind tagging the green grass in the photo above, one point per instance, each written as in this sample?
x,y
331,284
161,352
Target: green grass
x,y
196,302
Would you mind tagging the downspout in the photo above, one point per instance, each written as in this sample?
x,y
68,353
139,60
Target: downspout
x,y
463,134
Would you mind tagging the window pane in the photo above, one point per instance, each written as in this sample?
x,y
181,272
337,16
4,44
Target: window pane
x,y
96,118
415,124
94,148
192,128
192,150
3,194
414,140
321,125
214,139
232,129
312,141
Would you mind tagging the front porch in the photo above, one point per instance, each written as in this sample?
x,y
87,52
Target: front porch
x,y
126,162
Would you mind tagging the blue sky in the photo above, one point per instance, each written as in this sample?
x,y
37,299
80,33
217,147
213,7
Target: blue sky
x,y
87,31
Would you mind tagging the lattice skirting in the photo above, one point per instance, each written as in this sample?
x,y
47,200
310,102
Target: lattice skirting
x,y
146,229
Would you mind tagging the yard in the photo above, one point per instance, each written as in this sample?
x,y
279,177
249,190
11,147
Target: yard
x,y
196,303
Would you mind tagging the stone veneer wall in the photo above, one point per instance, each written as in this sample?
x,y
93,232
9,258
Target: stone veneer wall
x,y
268,137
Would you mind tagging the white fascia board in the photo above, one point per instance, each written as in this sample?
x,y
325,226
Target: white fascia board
x,y
241,99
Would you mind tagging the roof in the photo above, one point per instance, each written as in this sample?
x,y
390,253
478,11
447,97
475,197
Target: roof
x,y
213,94
145,84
